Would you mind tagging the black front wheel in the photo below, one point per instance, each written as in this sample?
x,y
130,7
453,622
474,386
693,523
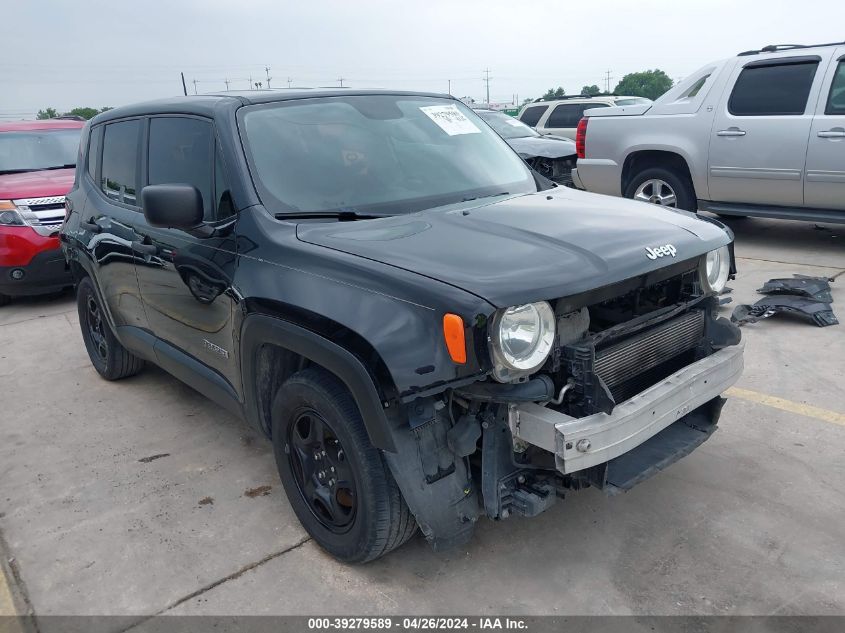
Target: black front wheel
x,y
336,481
111,360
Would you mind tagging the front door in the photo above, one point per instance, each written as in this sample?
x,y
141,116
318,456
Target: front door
x,y
185,280
824,186
758,142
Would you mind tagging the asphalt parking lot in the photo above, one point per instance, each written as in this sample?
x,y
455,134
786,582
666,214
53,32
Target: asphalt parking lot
x,y
141,497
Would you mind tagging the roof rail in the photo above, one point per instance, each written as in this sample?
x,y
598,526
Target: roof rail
x,y
776,48
565,97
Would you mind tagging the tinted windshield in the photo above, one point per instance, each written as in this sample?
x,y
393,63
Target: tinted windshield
x,y
507,126
38,149
381,154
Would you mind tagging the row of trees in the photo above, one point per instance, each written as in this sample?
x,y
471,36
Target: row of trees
x,y
649,83
86,113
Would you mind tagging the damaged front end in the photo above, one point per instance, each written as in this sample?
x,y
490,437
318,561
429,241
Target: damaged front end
x,y
557,169
632,382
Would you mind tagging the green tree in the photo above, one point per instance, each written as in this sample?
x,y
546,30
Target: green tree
x,y
47,113
85,113
649,83
591,90
554,93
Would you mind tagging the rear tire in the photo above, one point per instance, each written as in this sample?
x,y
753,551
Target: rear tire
x,y
111,360
665,187
337,482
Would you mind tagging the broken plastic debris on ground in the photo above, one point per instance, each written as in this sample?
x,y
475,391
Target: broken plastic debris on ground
x,y
803,296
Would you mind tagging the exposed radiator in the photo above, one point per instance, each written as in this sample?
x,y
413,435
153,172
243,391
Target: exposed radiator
x,y
646,350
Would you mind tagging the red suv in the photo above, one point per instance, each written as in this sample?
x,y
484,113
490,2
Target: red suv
x,y
37,163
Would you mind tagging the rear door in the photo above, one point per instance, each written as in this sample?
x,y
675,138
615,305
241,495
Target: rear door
x,y
758,142
111,214
563,120
824,184
185,279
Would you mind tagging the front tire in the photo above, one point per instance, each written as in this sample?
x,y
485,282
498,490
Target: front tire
x,y
111,360
665,187
336,481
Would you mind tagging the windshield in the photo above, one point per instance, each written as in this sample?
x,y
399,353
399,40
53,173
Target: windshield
x,y
376,154
38,149
506,126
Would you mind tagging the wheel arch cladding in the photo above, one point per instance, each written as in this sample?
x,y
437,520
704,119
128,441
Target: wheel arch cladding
x,y
639,160
268,340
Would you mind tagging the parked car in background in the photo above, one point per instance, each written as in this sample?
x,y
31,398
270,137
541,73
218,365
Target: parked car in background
x,y
560,116
551,156
426,330
759,134
37,162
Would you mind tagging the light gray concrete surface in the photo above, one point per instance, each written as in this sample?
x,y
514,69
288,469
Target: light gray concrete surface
x,y
753,522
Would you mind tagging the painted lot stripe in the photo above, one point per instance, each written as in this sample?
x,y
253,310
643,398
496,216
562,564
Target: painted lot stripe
x,y
7,607
788,405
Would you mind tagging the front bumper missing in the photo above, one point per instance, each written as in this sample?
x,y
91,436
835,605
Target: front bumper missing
x,y
580,443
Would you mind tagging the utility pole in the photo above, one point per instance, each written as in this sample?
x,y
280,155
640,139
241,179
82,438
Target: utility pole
x,y
267,70
487,81
195,86
607,79
449,91
250,82
290,81
340,79
226,81
184,87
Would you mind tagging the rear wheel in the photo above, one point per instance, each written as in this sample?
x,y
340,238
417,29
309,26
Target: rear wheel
x,y
336,481
111,360
664,187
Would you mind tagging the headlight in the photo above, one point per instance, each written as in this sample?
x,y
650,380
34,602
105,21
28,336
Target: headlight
x,y
521,339
715,269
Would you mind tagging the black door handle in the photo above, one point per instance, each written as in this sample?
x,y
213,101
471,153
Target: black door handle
x,y
146,249
90,226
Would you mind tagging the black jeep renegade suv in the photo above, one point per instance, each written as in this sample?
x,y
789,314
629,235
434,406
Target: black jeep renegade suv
x,y
427,331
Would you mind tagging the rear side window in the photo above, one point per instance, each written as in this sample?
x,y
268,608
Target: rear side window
x,y
568,114
94,142
836,98
119,173
531,115
181,152
781,89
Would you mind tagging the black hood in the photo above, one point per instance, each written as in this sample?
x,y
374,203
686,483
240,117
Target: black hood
x,y
544,146
525,248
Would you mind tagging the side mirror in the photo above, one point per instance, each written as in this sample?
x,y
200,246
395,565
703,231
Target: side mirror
x,y
172,206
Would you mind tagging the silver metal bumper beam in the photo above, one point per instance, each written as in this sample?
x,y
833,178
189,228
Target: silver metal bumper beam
x,y
580,443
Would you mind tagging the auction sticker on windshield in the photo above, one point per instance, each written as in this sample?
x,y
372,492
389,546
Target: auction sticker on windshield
x,y
450,119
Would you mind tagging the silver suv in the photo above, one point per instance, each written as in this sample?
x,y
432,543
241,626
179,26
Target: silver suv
x,y
759,134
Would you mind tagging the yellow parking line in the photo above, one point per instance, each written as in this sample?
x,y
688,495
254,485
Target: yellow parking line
x,y
807,410
7,605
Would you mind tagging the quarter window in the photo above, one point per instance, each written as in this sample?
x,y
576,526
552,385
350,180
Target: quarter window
x,y
181,153
530,116
119,179
94,142
781,89
568,115
836,98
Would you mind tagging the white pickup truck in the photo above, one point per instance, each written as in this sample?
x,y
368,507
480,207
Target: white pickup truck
x,y
759,134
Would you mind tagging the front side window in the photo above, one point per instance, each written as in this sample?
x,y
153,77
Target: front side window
x,y
836,98
36,150
378,154
119,173
181,152
531,115
773,90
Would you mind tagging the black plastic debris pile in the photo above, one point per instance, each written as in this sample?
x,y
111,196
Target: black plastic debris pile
x,y
806,297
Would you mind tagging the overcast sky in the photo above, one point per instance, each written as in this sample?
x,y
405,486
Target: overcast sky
x,y
97,53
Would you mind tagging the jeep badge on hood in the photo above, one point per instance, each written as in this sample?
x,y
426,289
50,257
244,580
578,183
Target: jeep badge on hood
x,y
660,251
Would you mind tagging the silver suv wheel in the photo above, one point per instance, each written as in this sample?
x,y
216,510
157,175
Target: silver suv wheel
x,y
656,191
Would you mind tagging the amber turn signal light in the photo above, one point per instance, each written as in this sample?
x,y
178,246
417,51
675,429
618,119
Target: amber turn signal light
x,y
453,332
